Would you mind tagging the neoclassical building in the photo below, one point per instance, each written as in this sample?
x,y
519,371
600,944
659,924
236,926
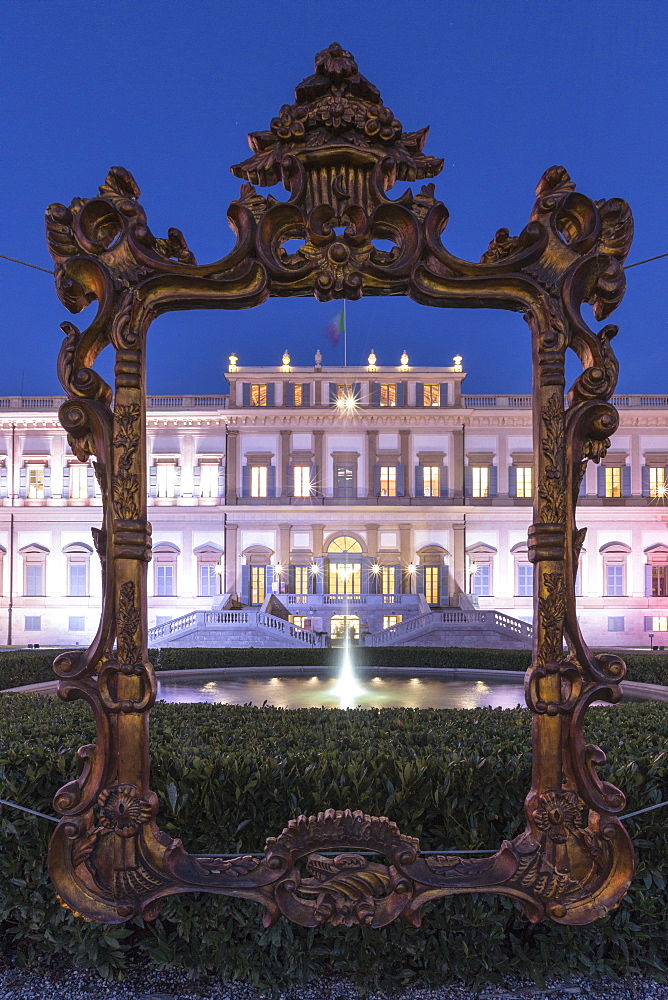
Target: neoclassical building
x,y
356,496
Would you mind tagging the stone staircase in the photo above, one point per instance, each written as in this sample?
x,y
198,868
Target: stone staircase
x,y
455,627
215,629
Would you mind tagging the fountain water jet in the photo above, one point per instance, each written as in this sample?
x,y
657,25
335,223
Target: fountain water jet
x,y
347,688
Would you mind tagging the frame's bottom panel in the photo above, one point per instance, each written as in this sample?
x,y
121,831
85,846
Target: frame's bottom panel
x,y
340,867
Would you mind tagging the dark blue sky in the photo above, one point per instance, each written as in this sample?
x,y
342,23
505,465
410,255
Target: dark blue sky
x,y
169,90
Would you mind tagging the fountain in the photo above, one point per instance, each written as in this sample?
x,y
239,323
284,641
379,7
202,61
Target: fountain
x,y
347,688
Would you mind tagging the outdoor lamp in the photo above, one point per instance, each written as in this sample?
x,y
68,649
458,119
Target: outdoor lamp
x,y
457,362
371,361
233,362
278,568
315,569
286,361
403,361
651,641
375,568
411,568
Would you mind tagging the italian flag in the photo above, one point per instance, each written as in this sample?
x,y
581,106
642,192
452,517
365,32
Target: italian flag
x,y
335,328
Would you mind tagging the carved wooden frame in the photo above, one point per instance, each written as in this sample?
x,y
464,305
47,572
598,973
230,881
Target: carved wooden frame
x,y
338,150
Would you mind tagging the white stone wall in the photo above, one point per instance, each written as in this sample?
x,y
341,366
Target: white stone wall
x,y
188,523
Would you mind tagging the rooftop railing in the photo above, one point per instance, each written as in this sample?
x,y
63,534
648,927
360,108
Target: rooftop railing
x,y
187,402
628,401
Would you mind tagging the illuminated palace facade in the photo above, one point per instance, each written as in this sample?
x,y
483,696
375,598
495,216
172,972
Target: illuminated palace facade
x,y
365,496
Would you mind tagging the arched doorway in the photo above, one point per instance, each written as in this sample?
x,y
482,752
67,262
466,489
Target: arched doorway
x,y
344,566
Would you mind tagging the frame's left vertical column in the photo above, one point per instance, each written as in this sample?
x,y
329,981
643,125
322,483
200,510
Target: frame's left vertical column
x,y
127,682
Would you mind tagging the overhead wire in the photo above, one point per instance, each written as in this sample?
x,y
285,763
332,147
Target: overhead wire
x,y
54,819
36,267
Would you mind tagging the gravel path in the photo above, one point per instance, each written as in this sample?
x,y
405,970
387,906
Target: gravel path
x,y
22,984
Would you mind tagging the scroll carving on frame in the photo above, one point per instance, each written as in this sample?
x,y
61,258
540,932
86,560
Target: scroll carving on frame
x,y
338,151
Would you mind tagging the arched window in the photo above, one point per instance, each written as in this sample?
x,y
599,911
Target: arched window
x,y
34,569
614,555
344,543
78,569
656,570
209,569
165,555
481,566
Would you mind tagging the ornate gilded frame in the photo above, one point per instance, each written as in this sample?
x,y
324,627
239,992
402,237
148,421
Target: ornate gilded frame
x,y
338,150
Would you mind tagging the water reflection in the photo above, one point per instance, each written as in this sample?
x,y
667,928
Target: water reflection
x,y
323,690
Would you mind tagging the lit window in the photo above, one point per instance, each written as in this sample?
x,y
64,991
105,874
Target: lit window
x,y
614,580
77,623
387,580
613,481
77,578
431,584
78,482
388,396
659,581
431,395
388,481
523,475
258,481
524,580
616,624
36,482
299,621
345,578
390,620
208,580
302,574
258,395
257,584
302,480
658,623
480,481
431,476
298,395
344,543
657,481
209,479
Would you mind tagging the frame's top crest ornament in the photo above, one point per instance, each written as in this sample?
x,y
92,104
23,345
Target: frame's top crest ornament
x,y
338,118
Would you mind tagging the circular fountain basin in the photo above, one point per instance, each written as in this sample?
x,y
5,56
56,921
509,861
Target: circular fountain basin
x,y
309,687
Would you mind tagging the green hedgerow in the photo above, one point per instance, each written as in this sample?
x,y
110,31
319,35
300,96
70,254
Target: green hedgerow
x,y
228,776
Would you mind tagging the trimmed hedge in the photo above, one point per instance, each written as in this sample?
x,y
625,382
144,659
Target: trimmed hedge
x,y
33,666
227,776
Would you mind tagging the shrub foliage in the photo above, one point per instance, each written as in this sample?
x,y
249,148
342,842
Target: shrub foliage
x,y
33,666
228,776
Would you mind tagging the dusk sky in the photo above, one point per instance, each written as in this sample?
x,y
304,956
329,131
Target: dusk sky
x,y
170,90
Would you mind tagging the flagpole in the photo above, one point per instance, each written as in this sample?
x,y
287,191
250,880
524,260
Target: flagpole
x,y
345,337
